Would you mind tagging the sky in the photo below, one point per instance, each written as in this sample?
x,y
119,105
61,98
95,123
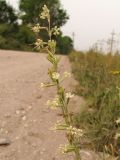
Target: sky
x,y
90,20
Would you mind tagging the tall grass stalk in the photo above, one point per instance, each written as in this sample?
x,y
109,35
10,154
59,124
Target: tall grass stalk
x,y
62,98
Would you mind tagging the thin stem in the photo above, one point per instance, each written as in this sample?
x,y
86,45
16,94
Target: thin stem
x,y
77,154
49,28
64,105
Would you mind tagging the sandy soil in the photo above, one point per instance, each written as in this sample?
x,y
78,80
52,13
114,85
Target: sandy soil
x,y
24,117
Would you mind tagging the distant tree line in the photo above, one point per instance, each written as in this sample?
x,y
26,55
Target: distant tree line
x,y
15,32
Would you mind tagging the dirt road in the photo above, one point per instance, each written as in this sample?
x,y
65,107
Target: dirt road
x,y
24,118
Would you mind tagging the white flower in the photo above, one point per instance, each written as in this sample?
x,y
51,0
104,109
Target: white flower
x,y
42,85
63,148
67,74
45,12
75,131
36,28
52,44
69,95
56,30
54,103
39,43
55,75
117,136
118,121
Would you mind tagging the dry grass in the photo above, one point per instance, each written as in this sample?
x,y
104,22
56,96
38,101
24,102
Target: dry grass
x,y
101,88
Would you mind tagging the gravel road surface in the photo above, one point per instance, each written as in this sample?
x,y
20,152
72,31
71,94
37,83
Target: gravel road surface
x,y
25,120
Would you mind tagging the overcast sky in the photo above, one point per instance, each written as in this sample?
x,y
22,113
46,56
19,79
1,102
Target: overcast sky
x,y
90,20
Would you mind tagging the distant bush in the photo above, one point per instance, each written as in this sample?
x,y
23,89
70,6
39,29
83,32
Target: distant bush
x,y
25,35
65,45
16,37
2,42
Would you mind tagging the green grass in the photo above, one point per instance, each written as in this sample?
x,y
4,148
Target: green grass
x,y
100,86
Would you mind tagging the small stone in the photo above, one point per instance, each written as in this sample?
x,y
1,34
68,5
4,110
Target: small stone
x,y
30,107
6,132
1,130
17,112
24,118
41,152
4,141
34,120
17,138
43,149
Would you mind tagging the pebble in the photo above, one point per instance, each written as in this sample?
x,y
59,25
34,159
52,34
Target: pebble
x,y
41,152
34,120
30,107
1,130
17,138
4,142
24,118
17,112
6,132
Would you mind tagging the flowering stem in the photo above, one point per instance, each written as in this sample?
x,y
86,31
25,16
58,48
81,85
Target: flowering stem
x,y
63,106
68,120
63,97
49,28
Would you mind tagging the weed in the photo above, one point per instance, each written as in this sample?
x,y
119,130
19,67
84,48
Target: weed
x,y
62,98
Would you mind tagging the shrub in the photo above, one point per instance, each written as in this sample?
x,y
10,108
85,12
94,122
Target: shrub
x,y
64,44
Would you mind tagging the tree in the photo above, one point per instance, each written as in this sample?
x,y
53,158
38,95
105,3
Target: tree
x,y
7,14
30,10
65,44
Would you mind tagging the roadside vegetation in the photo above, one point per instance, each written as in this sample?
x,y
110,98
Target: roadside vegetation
x,y
99,83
